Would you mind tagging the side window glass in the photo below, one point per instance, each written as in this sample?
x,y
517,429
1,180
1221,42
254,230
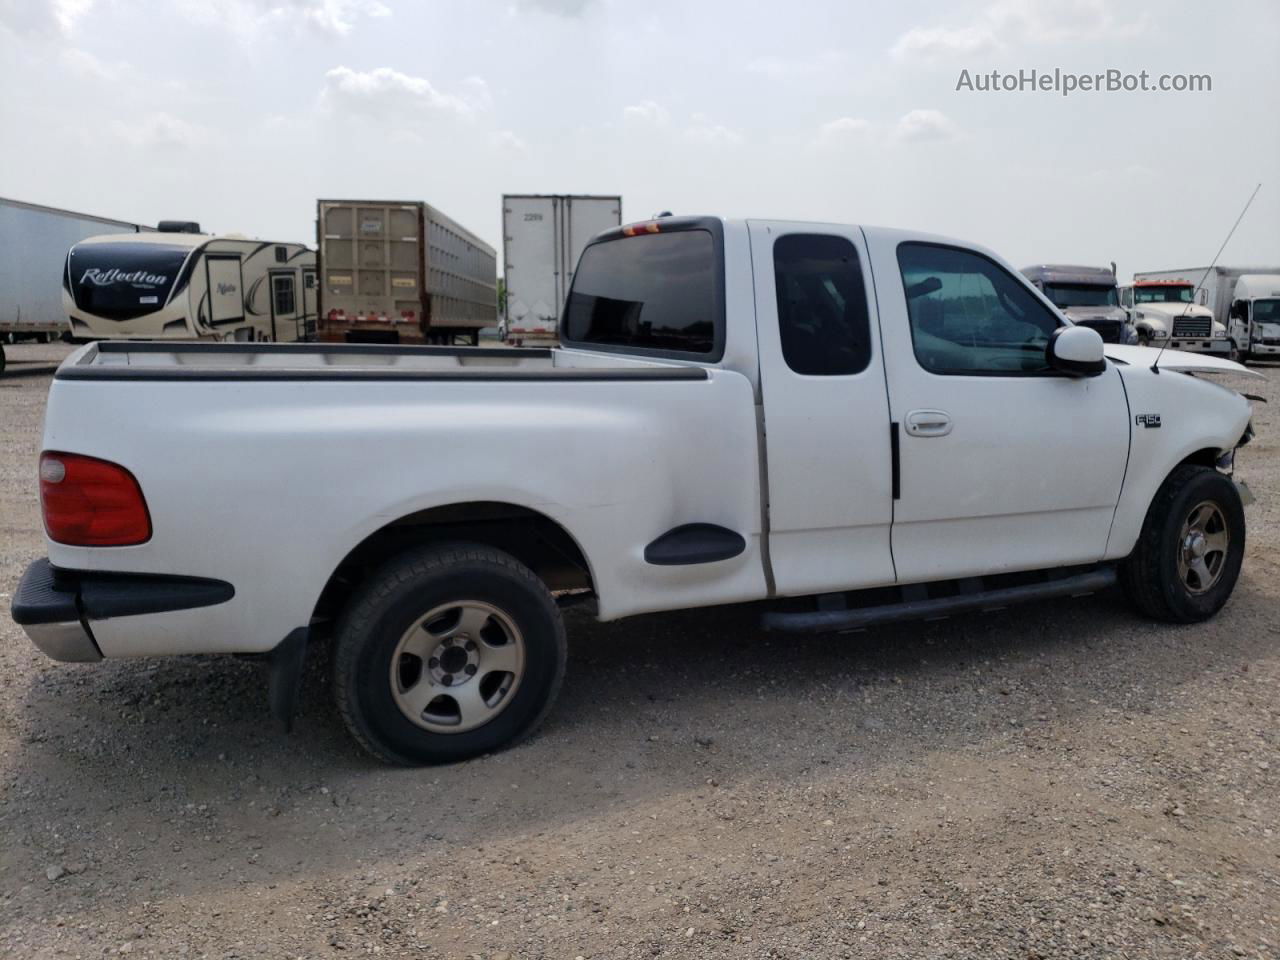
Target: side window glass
x,y
822,305
970,316
282,291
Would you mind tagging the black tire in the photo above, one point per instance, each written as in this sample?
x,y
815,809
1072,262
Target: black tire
x,y
2,360
1150,575
400,593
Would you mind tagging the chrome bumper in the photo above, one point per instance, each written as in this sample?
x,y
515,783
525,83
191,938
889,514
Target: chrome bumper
x,y
68,642
48,613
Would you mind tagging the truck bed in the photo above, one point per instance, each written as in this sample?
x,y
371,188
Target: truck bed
x,y
143,360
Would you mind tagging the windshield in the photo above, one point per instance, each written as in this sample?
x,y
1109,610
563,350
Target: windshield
x,y
1081,295
1266,311
123,280
655,291
1172,293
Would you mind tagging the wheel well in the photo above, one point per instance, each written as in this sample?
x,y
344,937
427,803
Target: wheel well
x,y
1207,457
534,539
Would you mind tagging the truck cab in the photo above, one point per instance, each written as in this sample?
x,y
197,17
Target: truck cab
x,y
1088,296
1164,313
1254,317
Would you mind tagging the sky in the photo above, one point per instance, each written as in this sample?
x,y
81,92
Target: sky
x,y
241,113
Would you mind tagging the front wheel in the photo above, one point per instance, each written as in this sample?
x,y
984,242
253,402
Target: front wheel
x,y
448,652
1188,556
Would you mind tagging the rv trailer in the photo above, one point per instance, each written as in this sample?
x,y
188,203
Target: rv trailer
x,y
401,272
181,284
543,236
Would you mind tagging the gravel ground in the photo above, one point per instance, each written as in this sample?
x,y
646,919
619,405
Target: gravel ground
x,y
1061,781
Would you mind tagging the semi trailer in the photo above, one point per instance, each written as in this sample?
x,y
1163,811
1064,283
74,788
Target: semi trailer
x,y
402,272
543,235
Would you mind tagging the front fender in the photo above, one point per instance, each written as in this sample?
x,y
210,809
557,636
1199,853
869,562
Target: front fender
x,y
1193,414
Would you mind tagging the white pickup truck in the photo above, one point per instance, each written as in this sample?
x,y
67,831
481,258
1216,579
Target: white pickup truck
x,y
855,424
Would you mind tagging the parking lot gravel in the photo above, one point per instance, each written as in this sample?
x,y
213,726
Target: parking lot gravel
x,y
1061,780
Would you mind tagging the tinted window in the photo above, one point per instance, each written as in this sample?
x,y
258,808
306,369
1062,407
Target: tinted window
x,y
282,292
969,315
654,291
822,305
1081,295
122,280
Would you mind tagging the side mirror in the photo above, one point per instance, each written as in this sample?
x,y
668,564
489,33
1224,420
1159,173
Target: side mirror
x,y
1076,351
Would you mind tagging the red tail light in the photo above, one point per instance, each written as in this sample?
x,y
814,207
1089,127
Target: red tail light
x,y
91,503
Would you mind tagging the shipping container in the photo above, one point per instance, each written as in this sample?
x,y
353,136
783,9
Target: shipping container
x,y
34,241
543,236
401,272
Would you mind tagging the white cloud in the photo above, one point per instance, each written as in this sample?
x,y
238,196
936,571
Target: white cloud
x,y
843,128
924,125
161,131
42,17
85,64
389,93
712,134
507,140
937,42
334,17
69,12
563,8
646,111
249,19
1005,23
782,68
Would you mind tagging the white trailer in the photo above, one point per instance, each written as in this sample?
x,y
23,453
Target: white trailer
x,y
33,248
543,236
1244,300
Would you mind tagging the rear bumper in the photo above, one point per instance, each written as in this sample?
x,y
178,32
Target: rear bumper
x,y
57,608
46,609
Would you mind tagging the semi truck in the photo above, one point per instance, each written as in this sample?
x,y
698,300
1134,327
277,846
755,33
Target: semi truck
x,y
34,240
401,272
179,283
1164,313
1087,295
543,235
849,425
1245,301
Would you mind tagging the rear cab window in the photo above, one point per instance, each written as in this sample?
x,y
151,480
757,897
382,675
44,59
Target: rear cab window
x,y
652,289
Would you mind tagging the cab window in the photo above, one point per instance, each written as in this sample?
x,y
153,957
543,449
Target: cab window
x,y
822,305
970,316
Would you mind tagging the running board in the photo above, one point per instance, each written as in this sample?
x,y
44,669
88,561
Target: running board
x,y
835,621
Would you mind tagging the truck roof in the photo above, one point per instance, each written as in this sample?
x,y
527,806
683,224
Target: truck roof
x,y
1068,273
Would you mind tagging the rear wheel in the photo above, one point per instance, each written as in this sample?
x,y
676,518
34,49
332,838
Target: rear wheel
x,y
448,652
1188,556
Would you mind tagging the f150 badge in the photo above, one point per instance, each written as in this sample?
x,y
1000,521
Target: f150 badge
x,y
1149,420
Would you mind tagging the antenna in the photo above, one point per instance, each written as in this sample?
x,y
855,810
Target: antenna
x,y
1155,364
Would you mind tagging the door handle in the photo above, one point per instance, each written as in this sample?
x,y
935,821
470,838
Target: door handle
x,y
928,423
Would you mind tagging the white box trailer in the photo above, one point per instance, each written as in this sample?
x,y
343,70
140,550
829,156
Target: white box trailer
x,y
34,241
543,236
1218,289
